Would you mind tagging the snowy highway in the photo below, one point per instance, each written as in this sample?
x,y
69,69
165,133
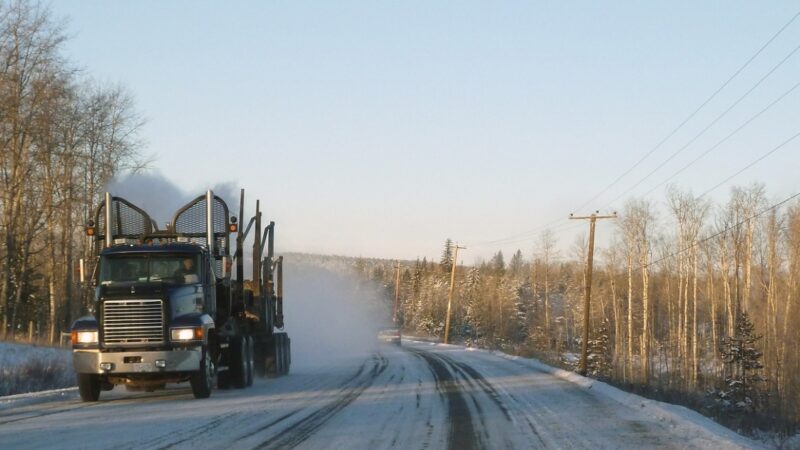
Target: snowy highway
x,y
418,396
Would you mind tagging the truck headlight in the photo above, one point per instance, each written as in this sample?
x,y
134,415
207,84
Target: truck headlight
x,y
84,337
187,334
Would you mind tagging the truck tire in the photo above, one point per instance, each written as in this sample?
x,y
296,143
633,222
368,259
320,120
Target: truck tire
x,y
250,361
283,356
238,362
89,387
202,381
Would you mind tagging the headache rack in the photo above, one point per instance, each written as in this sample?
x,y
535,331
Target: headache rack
x,y
204,221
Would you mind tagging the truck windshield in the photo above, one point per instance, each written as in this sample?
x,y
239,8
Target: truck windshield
x,y
152,267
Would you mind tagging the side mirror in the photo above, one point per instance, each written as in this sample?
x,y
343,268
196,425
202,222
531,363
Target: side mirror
x,y
82,269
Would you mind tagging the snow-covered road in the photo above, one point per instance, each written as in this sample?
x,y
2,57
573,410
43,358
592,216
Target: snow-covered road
x,y
418,396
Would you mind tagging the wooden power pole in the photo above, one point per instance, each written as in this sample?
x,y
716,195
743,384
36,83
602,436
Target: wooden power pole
x,y
587,296
396,293
450,297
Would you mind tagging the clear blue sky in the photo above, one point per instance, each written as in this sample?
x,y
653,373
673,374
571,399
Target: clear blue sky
x,y
381,128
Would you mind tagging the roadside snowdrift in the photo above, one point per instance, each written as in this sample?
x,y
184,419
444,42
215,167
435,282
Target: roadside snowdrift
x,y
28,368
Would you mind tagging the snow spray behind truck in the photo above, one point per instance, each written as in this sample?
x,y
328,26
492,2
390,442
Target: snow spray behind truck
x,y
166,308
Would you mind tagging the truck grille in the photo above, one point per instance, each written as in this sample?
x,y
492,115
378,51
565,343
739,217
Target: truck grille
x,y
133,322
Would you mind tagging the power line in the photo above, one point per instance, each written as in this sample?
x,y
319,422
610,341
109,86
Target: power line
x,y
756,161
703,131
515,236
781,145
725,230
564,227
519,237
556,231
723,140
702,105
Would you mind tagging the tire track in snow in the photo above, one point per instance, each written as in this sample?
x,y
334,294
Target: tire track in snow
x,y
71,406
477,383
236,418
194,433
390,423
462,435
263,427
20,416
300,431
496,397
536,406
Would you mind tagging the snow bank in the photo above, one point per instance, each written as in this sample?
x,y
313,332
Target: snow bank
x,y
28,368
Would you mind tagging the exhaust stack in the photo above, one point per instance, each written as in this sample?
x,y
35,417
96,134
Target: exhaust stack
x,y
210,222
109,238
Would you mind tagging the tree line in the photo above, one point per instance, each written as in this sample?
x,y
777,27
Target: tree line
x,y
62,137
692,302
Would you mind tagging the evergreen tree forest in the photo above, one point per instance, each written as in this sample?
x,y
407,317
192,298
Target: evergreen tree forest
x,y
692,302
63,137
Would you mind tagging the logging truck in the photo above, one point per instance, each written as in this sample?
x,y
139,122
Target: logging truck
x,y
166,308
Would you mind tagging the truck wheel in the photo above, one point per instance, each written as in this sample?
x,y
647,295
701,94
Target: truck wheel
x,y
202,381
283,356
238,363
89,387
250,361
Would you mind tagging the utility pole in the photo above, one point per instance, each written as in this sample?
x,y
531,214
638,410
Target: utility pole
x,y
587,298
396,293
450,297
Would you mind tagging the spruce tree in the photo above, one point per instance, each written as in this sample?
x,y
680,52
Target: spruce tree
x,y
446,263
473,320
520,311
516,264
498,264
742,360
599,365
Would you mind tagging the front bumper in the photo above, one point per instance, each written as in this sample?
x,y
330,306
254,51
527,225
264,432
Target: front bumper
x,y
133,362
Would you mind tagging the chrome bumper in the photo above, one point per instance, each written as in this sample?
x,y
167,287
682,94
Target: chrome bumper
x,y
184,360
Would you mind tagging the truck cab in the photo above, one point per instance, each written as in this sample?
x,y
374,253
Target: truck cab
x,y
153,318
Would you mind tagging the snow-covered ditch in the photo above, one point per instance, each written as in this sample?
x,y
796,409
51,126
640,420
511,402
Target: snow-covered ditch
x,y
28,368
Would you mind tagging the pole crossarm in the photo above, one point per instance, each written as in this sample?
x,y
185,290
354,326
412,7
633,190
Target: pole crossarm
x,y
594,216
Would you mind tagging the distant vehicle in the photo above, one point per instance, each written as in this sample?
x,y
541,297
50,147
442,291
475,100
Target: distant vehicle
x,y
390,335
